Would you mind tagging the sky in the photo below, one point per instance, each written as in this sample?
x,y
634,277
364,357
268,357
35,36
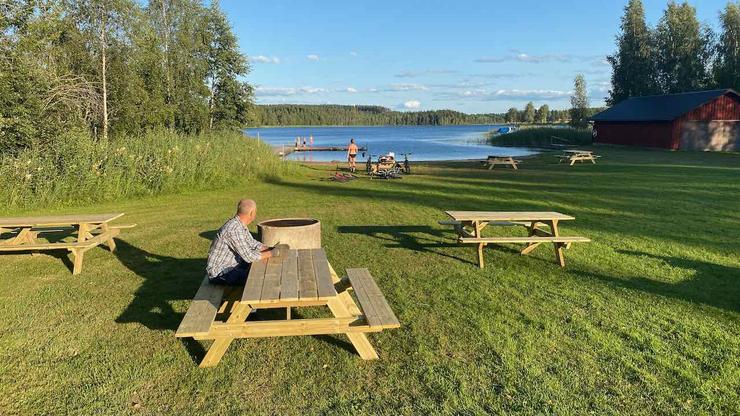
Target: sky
x,y
410,55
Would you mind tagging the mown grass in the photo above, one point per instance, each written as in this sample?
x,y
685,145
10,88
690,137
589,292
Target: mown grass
x,y
542,136
643,320
78,168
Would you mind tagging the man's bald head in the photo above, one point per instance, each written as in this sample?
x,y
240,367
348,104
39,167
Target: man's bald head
x,y
246,209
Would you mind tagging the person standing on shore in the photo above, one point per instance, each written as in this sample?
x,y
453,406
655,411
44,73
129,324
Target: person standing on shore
x,y
352,155
310,140
304,142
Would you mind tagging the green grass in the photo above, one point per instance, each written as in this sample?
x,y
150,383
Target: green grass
x,y
643,320
542,136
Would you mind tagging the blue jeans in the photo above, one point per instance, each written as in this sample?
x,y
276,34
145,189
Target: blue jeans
x,y
234,277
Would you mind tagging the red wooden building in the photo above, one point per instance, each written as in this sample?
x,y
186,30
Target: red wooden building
x,y
699,120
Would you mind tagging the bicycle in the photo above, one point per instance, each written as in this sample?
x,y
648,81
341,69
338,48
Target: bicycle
x,y
406,164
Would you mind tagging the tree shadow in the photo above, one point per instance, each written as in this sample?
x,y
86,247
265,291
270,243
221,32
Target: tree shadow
x,y
713,284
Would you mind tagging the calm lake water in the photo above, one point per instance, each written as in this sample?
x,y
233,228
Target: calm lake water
x,y
423,142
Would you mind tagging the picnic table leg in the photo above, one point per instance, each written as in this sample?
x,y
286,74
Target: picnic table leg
x,y
530,246
219,346
478,228
110,243
358,339
77,255
572,161
558,246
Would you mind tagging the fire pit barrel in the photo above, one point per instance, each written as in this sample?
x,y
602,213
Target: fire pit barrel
x,y
298,233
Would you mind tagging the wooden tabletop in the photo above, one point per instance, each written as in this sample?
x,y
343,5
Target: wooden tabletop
x,y
507,216
58,220
577,151
302,275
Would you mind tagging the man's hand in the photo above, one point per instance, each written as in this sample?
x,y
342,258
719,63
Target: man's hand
x,y
266,254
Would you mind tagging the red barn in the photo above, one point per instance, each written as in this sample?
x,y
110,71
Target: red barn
x,y
699,120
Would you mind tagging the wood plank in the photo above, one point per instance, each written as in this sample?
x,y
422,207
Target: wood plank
x,y
306,276
507,215
289,281
368,293
96,240
255,279
271,285
57,220
533,239
202,311
324,286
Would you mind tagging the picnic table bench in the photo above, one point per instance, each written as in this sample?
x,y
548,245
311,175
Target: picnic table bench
x,y
575,155
502,160
302,278
469,224
22,233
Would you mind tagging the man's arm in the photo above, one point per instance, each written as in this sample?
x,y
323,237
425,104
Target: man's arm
x,y
248,250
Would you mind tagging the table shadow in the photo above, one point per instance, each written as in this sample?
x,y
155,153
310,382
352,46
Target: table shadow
x,y
421,238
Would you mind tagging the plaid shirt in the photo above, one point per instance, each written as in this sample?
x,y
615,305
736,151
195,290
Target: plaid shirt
x,y
233,245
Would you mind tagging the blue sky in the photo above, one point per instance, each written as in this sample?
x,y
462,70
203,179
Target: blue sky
x,y
471,56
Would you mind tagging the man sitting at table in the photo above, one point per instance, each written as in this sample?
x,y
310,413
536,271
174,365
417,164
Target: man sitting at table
x,y
234,248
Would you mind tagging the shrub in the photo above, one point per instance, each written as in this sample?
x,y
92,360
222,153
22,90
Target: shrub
x,y
78,168
542,136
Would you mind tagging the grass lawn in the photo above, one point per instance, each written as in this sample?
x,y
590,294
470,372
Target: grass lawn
x,y
643,320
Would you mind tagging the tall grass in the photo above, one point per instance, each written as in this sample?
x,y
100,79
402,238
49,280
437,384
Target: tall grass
x,y
542,137
78,168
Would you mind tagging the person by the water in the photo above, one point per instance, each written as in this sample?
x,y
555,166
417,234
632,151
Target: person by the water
x,y
352,155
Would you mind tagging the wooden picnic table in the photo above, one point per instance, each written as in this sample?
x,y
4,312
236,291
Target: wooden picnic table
x,y
577,155
469,224
502,160
302,278
91,230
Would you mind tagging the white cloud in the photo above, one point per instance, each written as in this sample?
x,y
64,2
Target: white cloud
x,y
353,53
286,91
351,90
407,87
265,59
538,59
414,74
527,95
412,104
312,57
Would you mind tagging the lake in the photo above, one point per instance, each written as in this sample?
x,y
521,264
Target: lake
x,y
425,143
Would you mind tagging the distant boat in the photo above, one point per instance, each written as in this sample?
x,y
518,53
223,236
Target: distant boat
x,y
506,129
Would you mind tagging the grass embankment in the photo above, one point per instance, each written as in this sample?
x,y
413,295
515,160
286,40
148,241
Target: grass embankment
x,y
542,137
643,320
77,168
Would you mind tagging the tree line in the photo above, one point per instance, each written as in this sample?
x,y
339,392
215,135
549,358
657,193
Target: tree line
x,y
117,67
362,115
679,54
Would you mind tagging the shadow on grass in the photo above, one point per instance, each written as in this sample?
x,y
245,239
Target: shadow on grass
x,y
402,236
166,279
713,284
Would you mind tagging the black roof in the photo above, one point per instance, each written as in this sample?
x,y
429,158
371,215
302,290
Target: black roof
x,y
659,107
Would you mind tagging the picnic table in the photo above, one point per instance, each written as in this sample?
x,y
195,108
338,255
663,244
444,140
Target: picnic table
x,y
576,155
502,160
469,224
302,278
22,233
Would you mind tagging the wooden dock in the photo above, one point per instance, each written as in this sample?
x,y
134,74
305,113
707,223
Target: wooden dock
x,y
285,150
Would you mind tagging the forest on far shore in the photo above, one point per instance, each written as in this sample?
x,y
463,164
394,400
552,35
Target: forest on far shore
x,y
370,115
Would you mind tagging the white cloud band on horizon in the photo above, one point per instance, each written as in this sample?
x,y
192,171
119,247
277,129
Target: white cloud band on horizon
x,y
312,57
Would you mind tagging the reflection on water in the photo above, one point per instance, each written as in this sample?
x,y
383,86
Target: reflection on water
x,y
423,142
